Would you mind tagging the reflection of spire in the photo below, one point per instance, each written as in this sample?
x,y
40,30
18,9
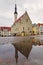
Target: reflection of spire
x,y
15,9
16,55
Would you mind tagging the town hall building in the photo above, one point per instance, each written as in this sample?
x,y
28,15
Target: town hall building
x,y
22,25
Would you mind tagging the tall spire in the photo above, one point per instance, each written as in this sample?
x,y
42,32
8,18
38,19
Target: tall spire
x,y
15,9
15,13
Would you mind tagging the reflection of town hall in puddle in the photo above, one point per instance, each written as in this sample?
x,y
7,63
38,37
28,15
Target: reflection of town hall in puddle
x,y
23,47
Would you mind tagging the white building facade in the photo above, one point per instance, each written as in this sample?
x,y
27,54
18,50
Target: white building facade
x,y
5,31
40,28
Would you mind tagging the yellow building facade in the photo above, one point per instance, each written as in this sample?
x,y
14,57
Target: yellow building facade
x,y
35,29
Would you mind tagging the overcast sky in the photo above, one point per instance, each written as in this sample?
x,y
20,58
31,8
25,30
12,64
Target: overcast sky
x,y
33,7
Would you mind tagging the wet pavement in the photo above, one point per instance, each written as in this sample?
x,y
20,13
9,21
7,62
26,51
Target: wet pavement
x,y
7,55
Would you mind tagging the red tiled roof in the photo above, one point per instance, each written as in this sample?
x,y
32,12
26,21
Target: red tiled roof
x,y
8,28
40,24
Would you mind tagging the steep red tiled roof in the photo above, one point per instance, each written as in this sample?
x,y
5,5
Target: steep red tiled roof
x,y
19,18
8,28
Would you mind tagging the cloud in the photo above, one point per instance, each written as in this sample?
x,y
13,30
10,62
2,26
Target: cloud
x,y
33,7
35,10
5,22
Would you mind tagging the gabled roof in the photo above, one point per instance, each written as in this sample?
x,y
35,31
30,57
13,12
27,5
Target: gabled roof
x,y
19,18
